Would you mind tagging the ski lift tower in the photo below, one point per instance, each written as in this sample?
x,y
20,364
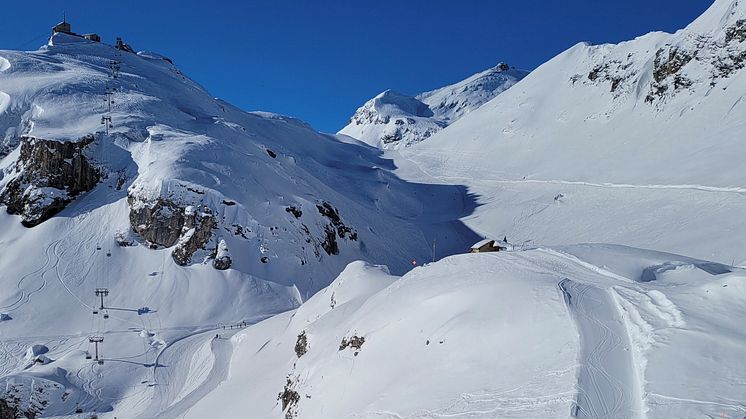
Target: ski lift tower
x,y
96,340
106,122
101,292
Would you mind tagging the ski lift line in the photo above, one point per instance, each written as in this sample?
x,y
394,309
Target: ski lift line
x,y
29,42
59,277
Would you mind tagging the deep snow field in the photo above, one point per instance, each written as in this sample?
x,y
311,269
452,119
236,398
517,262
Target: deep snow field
x,y
615,171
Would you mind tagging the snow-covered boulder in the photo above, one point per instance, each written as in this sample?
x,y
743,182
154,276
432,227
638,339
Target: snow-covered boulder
x,y
223,259
36,350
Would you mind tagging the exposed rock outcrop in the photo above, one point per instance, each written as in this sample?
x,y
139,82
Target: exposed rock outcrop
x,y
223,258
667,71
159,222
335,228
166,223
736,32
355,342
47,176
289,398
301,345
196,234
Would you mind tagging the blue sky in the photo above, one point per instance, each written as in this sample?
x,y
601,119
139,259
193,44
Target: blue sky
x,y
319,60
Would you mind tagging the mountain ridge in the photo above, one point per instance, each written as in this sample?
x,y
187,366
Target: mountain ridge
x,y
394,120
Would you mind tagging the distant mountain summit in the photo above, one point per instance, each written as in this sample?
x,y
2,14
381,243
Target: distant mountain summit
x,y
660,109
393,120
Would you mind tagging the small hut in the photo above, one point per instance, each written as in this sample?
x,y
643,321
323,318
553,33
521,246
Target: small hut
x,y
490,245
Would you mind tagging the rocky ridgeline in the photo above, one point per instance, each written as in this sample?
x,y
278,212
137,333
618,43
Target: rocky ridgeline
x,y
47,177
193,228
719,58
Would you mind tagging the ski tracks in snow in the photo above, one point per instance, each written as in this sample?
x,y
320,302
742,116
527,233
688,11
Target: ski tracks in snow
x,y
608,386
221,350
500,178
174,374
33,282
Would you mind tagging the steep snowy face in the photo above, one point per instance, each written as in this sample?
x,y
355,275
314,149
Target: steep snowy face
x,y
660,109
394,120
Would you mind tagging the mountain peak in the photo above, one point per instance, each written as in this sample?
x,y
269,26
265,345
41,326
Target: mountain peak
x,y
392,120
393,103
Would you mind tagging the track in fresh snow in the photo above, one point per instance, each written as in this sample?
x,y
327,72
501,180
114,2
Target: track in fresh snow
x,y
173,372
222,350
500,178
33,282
606,378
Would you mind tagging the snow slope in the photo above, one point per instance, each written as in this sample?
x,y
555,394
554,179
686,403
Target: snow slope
x,y
638,143
635,144
393,120
188,184
581,331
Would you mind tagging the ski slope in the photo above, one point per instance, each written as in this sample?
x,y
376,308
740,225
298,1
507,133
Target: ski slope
x,y
575,331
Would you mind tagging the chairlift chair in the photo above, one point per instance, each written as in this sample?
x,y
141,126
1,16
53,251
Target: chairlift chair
x,y
100,362
88,355
106,314
95,310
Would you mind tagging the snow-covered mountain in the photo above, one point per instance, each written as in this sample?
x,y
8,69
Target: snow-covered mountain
x,y
206,240
394,120
639,143
120,173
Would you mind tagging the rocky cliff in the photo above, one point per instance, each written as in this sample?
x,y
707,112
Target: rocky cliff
x,y
47,176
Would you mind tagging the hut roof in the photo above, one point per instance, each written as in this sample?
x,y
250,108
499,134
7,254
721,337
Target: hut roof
x,y
481,243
